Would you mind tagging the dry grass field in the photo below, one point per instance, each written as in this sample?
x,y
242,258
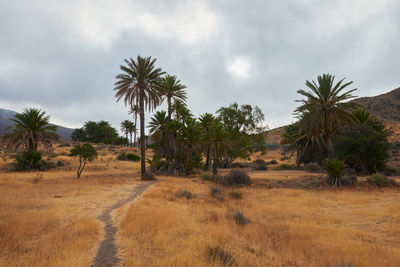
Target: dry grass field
x,y
50,219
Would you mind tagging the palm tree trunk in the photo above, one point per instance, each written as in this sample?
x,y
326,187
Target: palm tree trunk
x,y
169,108
142,136
214,170
134,133
207,165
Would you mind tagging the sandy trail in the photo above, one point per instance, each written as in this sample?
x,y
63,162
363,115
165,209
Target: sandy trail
x,y
107,252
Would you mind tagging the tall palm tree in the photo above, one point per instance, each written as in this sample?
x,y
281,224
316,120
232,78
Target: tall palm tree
x,y
206,121
125,127
131,130
135,110
138,85
326,103
172,89
31,128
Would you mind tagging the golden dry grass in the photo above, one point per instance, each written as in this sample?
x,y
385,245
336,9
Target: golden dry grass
x,y
50,218
287,227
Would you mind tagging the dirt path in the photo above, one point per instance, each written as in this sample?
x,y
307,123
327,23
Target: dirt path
x,y
107,253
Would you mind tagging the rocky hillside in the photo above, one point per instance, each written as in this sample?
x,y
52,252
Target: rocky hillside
x,y
386,106
5,122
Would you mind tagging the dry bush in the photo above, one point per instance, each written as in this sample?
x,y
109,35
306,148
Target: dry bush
x,y
235,178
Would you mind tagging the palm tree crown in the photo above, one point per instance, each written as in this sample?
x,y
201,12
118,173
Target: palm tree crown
x,y
172,89
326,106
31,128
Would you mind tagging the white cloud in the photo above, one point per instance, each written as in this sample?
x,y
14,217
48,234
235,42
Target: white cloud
x,y
240,68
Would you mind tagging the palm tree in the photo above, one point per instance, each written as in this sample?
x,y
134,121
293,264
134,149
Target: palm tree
x,y
206,121
31,128
189,137
125,127
329,112
158,129
138,85
218,137
135,110
172,89
131,130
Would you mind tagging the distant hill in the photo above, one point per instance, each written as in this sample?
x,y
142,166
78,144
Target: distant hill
x,y
5,122
385,106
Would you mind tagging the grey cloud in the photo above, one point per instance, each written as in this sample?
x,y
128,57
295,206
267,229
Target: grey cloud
x,y
64,57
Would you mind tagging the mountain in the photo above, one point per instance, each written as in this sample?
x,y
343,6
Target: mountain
x,y
385,106
5,122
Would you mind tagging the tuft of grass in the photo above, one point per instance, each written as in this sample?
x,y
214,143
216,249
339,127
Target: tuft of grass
x,y
216,192
235,194
286,167
219,255
378,180
239,218
184,194
206,176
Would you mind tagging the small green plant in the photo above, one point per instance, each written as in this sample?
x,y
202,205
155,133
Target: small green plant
x,y
84,153
378,180
235,194
391,171
184,194
206,176
336,170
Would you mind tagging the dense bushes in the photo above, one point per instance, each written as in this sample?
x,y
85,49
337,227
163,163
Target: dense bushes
x,y
363,148
29,160
128,156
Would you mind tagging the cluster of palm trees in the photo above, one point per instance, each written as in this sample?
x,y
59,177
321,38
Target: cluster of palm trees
x,y
180,139
128,128
323,116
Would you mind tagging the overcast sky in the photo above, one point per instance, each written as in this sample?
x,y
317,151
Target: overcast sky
x,y
63,56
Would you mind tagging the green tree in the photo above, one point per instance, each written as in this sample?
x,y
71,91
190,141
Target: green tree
x,y
172,89
31,128
84,153
206,122
364,147
219,139
125,127
78,135
328,109
135,111
158,129
138,85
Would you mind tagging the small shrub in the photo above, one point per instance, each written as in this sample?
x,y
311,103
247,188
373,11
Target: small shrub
x,y
60,163
206,176
391,171
148,176
235,194
259,165
272,162
239,218
378,180
286,167
216,192
128,156
312,167
220,255
64,145
335,169
184,194
235,178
